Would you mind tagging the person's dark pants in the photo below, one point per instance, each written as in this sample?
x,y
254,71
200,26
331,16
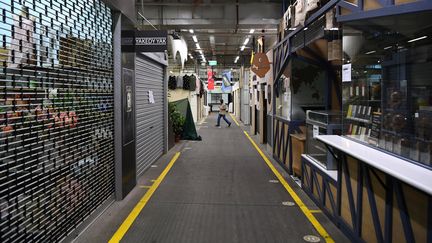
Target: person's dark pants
x,y
224,117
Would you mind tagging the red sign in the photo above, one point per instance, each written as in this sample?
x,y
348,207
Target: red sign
x,y
210,84
210,80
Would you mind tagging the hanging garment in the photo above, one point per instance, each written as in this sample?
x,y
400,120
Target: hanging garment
x,y
186,82
172,82
179,82
192,83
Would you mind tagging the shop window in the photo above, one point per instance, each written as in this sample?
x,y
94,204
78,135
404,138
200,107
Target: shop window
x,y
387,88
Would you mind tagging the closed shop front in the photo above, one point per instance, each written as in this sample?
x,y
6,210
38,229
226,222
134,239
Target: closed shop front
x,y
150,111
245,98
56,116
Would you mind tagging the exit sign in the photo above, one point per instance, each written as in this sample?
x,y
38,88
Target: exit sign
x,y
212,63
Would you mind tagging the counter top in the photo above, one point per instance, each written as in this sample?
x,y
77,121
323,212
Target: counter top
x,y
414,175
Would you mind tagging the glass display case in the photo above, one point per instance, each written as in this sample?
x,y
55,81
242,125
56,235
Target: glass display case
x,y
387,84
322,123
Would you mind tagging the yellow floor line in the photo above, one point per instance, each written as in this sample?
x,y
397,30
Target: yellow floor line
x,y
235,120
124,227
146,187
315,211
294,195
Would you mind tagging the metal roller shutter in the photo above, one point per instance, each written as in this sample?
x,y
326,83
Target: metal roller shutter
x,y
149,117
56,116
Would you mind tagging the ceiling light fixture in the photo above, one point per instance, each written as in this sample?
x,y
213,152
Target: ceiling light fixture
x,y
236,60
246,41
198,46
242,48
191,31
371,52
388,47
195,38
417,39
251,31
201,52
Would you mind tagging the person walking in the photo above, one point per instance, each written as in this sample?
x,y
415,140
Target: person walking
x,y
222,114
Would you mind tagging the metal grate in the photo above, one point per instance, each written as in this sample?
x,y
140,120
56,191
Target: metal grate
x,y
56,116
315,30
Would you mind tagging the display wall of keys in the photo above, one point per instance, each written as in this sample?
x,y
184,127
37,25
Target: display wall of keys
x,y
56,116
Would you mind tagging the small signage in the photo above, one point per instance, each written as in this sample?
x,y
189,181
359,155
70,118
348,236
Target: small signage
x,y
151,97
128,99
346,73
260,64
144,41
212,63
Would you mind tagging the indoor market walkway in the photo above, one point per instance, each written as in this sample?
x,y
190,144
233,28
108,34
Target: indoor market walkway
x,y
221,190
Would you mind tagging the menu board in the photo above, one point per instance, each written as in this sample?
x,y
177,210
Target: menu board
x,y
375,128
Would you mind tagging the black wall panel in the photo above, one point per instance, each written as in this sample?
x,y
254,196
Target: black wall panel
x,y
56,116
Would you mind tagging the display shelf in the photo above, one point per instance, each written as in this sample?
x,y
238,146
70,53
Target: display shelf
x,y
416,176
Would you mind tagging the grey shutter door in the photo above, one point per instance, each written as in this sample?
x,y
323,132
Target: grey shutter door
x,y
149,117
245,105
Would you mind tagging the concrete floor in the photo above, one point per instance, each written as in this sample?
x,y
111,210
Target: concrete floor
x,y
219,190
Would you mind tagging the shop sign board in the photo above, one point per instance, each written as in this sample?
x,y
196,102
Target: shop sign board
x,y
144,41
260,64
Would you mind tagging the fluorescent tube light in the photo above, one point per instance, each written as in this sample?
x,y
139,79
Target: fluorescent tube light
x,y
198,46
246,41
388,47
417,39
195,38
251,31
191,31
371,52
242,48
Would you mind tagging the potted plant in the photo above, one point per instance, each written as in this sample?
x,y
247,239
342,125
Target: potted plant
x,y
177,121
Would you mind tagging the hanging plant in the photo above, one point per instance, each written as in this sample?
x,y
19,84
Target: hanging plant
x,y
172,83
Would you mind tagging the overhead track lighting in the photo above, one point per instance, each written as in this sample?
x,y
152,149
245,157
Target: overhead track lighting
x,y
246,41
417,39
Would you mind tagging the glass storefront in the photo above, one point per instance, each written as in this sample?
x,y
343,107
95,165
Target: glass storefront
x,y
387,84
